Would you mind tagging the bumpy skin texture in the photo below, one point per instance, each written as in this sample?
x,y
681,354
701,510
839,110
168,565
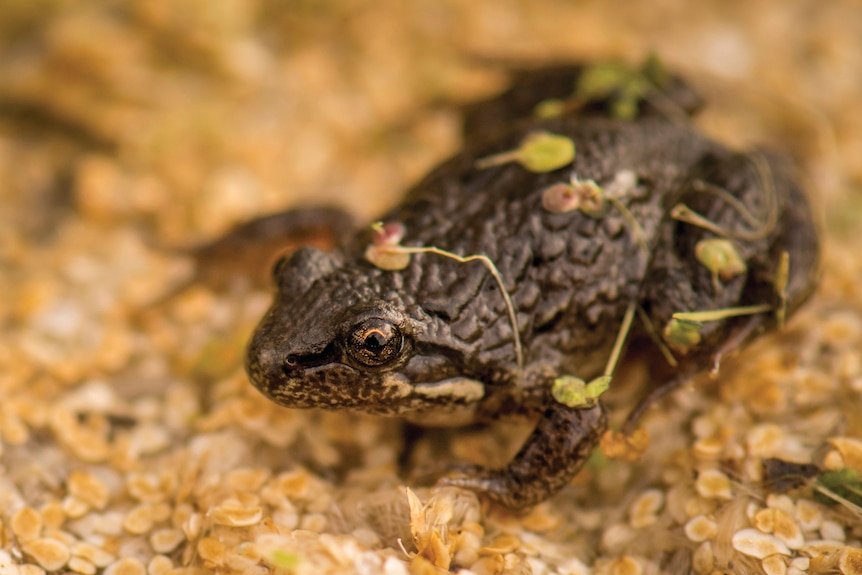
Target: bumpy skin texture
x,y
434,343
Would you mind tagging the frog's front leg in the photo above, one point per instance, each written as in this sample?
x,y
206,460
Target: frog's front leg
x,y
553,454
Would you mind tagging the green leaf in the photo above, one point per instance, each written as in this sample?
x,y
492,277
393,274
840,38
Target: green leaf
x,y
575,392
569,390
622,85
550,108
539,152
682,335
600,81
545,152
284,560
846,483
598,386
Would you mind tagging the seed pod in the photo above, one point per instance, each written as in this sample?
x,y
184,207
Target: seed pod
x,y
682,335
550,108
574,392
720,257
584,195
384,251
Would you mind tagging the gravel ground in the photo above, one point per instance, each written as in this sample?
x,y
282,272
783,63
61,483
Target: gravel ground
x,y
130,439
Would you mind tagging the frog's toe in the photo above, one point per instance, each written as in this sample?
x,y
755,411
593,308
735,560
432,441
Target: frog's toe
x,y
497,488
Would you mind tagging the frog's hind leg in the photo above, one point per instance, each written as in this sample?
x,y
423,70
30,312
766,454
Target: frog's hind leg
x,y
247,252
552,455
726,189
689,367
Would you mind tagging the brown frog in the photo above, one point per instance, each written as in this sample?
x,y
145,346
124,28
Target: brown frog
x,y
443,342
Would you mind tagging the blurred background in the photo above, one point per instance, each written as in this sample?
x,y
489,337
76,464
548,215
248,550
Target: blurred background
x,y
187,117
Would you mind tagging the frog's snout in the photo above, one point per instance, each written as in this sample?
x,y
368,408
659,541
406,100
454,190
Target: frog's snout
x,y
264,362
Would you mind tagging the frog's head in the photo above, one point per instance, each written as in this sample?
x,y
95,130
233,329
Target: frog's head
x,y
340,335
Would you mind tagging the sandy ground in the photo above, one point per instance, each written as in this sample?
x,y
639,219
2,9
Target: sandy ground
x,y
131,441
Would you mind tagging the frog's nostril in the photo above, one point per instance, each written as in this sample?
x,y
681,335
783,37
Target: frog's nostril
x,y
291,361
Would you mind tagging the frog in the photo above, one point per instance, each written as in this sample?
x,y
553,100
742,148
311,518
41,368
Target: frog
x,y
457,340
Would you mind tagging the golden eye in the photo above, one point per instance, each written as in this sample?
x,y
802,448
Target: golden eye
x,y
374,342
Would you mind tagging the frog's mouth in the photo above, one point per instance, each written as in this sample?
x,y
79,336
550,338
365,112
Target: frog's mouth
x,y
339,386
336,385
321,376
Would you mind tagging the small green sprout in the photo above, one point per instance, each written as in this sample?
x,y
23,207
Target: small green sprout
x,y
655,71
721,258
722,313
575,392
622,85
839,486
550,108
782,276
384,237
539,152
592,200
584,195
682,332
682,335
283,560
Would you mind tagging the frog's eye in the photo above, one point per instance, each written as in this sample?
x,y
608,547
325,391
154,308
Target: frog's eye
x,y
374,342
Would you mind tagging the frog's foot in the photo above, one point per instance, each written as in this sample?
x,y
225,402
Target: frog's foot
x,y
681,377
246,252
250,248
547,462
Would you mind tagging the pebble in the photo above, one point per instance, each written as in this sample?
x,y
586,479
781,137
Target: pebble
x,y
850,561
159,565
700,528
26,524
786,529
713,484
774,565
81,566
703,559
233,514
831,530
643,511
49,553
95,555
139,520
808,515
126,566
166,540
780,524
626,565
756,544
89,489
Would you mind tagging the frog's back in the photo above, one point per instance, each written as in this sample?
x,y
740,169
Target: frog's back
x,y
571,276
